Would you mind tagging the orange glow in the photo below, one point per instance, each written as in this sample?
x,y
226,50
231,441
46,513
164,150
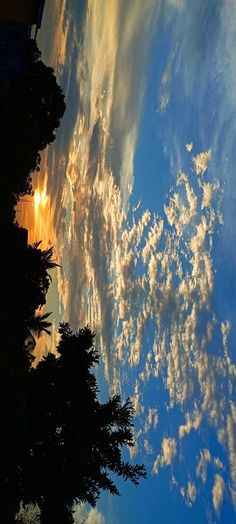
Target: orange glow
x,y
42,213
36,214
37,198
40,199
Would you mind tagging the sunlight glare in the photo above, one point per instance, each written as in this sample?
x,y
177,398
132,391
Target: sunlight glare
x,y
40,199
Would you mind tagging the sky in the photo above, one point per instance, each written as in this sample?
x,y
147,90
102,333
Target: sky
x,y
138,197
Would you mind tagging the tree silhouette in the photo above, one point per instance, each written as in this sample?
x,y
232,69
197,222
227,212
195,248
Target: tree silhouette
x,y
39,324
35,326
16,169
41,96
31,107
35,266
76,442
45,255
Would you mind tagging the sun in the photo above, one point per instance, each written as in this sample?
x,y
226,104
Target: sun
x,y
40,199
41,210
37,199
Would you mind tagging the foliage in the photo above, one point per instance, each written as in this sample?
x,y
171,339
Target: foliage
x,y
35,326
38,324
19,152
31,107
34,269
76,441
58,443
41,97
26,278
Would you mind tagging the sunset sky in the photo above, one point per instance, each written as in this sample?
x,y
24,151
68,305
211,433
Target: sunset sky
x,y
138,197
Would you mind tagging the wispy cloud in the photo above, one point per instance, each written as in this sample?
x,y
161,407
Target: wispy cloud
x,y
167,455
151,420
204,460
94,180
147,446
193,421
165,89
189,493
231,441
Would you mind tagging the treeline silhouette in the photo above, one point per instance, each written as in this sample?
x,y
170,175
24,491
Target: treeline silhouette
x,y
58,443
31,107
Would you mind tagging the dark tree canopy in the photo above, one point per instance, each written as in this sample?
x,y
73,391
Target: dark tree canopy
x,y
24,270
59,444
76,442
41,97
31,106
16,135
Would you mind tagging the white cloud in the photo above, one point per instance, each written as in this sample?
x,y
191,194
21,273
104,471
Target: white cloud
x,y
208,190
135,399
57,51
148,368
189,147
92,516
204,460
193,421
225,330
218,492
167,455
95,517
189,493
152,239
173,288
164,101
151,420
201,162
99,169
218,464
231,438
120,297
112,43
148,447
165,89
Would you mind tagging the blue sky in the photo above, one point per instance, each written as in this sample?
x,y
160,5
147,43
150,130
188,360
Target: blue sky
x,y
140,185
